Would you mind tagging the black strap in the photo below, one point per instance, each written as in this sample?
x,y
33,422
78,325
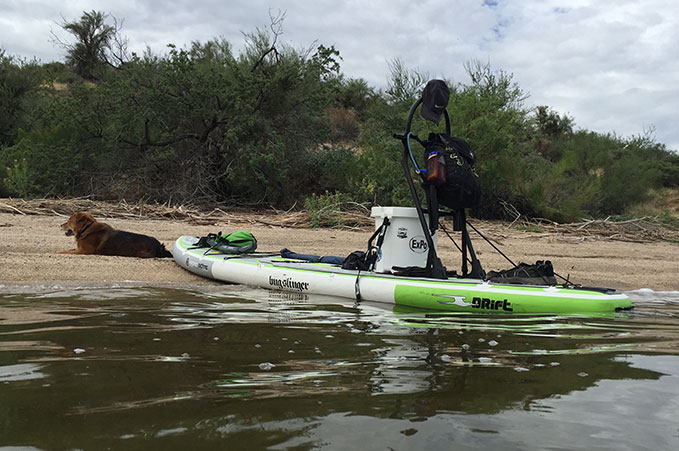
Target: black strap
x,y
379,230
357,288
371,255
432,207
373,251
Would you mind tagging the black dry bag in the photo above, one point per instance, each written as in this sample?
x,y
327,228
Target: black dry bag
x,y
458,187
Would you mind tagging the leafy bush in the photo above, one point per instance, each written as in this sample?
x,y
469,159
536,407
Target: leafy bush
x,y
273,124
331,210
20,92
43,163
624,183
19,180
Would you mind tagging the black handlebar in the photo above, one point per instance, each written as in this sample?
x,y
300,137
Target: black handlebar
x,y
411,113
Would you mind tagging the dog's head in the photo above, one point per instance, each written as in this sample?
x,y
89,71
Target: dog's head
x,y
78,222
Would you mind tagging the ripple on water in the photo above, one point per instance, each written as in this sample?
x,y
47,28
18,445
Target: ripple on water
x,y
174,360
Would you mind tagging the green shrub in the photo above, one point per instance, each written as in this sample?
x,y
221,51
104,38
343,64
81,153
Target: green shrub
x,y
329,209
272,125
625,182
42,163
18,180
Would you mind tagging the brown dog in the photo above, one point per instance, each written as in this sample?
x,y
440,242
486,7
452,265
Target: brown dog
x,y
94,237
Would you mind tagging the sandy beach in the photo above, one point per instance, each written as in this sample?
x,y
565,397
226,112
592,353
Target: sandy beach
x,y
31,242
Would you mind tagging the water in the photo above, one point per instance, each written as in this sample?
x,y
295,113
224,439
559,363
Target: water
x,y
232,367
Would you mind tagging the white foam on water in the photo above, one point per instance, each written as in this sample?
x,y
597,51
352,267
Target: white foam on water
x,y
647,295
21,372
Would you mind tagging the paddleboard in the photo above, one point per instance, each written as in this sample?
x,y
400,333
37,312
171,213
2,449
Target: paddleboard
x,y
454,294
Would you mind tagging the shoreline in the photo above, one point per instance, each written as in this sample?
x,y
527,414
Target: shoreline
x,y
32,242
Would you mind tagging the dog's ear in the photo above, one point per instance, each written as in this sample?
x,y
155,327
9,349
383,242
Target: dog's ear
x,y
70,221
82,220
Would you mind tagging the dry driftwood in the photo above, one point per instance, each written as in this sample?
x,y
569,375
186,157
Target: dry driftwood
x,y
353,216
191,213
638,230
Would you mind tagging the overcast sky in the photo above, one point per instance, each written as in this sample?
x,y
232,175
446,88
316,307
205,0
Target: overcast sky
x,y
611,65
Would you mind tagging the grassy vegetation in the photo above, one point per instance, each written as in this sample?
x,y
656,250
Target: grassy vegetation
x,y
275,125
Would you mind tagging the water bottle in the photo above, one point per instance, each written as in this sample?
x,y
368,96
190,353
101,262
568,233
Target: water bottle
x,y
436,169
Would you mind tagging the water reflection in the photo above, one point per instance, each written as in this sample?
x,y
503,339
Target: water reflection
x,y
20,372
136,365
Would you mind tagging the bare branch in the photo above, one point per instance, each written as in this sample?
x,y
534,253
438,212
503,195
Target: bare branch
x,y
276,27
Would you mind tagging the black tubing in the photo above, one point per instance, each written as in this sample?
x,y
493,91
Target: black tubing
x,y
434,264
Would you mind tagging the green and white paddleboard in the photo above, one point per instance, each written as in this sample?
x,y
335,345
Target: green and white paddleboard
x,y
455,294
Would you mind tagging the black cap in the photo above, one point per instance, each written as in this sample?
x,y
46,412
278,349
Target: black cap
x,y
434,100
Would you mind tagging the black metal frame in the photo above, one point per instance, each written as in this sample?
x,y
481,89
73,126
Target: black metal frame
x,y
435,268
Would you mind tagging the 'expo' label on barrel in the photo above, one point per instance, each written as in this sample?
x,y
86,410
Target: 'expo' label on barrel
x,y
418,244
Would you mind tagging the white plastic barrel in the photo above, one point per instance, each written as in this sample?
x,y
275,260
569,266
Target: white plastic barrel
x,y
404,243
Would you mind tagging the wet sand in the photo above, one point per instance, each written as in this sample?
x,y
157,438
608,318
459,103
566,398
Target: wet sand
x,y
30,246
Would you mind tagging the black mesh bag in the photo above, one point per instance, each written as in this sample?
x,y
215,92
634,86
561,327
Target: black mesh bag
x,y
461,188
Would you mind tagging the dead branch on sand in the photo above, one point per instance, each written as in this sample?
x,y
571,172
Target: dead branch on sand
x,y
356,217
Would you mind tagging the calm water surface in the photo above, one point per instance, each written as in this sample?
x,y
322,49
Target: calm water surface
x,y
239,368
